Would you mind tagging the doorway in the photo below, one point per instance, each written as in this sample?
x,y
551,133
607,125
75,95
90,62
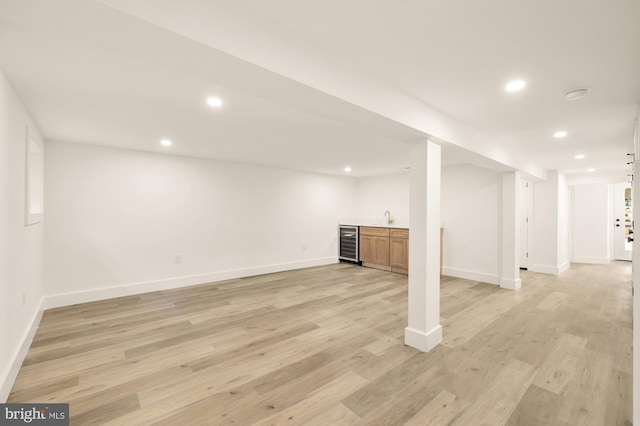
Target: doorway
x,y
525,205
623,222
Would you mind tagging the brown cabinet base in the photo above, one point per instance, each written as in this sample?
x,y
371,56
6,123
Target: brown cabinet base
x,y
387,249
384,248
373,265
399,270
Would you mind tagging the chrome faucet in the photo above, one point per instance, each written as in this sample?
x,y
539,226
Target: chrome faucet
x,y
387,214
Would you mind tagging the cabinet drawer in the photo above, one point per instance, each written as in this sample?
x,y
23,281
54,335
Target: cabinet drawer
x,y
377,232
398,233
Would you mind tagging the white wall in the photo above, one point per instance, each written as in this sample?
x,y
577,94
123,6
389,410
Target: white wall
x,y
550,229
377,194
564,205
590,209
599,178
471,214
21,264
117,219
544,229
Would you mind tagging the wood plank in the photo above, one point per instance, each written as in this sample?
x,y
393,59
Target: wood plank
x,y
380,391
106,412
382,345
441,410
619,409
553,301
317,402
464,325
338,415
585,399
623,352
537,407
495,405
213,409
562,364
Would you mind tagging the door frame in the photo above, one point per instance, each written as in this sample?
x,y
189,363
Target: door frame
x,y
526,194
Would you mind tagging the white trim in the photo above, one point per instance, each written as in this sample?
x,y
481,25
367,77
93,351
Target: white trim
x,y
510,284
423,341
594,260
636,281
471,275
66,299
548,269
9,376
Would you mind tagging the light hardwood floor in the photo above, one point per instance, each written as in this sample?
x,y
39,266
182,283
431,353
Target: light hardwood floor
x,y
324,346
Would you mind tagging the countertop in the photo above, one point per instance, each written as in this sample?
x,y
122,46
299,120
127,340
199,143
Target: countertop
x,y
377,225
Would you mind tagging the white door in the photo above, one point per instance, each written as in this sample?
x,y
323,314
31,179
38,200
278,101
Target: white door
x,y
525,195
623,220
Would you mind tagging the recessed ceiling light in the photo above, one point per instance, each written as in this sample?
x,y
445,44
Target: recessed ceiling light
x,y
166,142
591,170
560,134
515,85
214,102
347,169
579,156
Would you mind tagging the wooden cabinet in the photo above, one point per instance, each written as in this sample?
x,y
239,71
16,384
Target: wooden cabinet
x,y
374,247
381,251
385,248
399,250
366,248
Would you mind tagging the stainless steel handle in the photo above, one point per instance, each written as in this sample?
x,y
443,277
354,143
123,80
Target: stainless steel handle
x,y
349,235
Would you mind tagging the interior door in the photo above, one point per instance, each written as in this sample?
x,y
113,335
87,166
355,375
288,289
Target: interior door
x,y
525,197
623,222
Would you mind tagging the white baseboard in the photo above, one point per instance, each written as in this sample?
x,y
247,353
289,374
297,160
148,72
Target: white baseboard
x,y
564,267
510,284
9,376
66,299
549,269
423,341
471,275
593,260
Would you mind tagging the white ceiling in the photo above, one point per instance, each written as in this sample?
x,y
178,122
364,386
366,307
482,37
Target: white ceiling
x,y
320,85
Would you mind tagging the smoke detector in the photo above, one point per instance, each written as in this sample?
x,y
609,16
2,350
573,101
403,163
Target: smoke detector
x,y
572,95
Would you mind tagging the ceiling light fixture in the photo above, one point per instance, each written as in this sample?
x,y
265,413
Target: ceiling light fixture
x,y
214,102
579,157
515,86
572,95
560,134
591,170
347,169
166,142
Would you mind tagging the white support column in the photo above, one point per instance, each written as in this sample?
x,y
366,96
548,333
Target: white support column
x,y
424,331
510,277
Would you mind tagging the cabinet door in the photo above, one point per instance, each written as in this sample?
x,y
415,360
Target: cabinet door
x,y
366,248
381,251
399,255
374,231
